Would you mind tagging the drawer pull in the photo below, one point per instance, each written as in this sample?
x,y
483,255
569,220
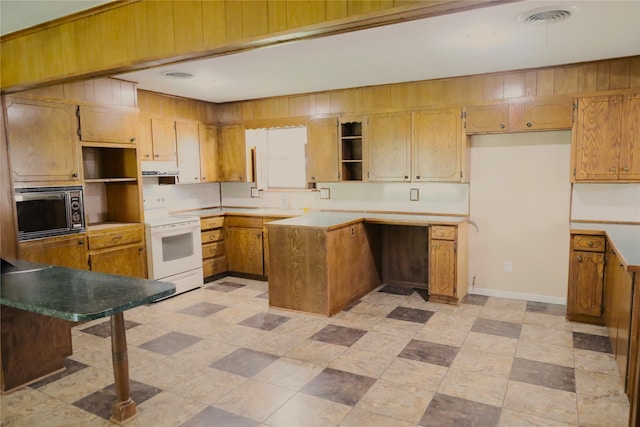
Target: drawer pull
x,y
579,258
116,238
590,243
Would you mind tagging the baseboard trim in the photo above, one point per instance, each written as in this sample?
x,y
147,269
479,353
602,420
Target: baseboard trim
x,y
518,295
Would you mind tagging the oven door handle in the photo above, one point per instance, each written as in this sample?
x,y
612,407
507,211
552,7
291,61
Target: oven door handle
x,y
173,230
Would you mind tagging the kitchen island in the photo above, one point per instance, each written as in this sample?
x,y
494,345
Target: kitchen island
x,y
321,262
35,296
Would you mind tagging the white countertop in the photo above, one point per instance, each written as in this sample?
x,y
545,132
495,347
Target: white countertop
x,y
624,237
338,219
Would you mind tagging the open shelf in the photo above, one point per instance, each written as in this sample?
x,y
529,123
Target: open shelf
x,y
351,150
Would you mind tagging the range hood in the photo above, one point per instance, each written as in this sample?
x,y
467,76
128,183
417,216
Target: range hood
x,y
158,168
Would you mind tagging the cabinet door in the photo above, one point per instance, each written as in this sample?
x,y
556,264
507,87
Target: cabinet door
x,y
163,135
548,114
63,251
597,138
322,150
611,302
232,153
487,118
188,142
624,296
442,268
144,139
586,275
390,147
124,261
629,166
107,124
437,145
243,247
42,140
209,169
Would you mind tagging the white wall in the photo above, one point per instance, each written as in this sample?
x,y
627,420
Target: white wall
x,y
443,198
179,197
606,202
520,199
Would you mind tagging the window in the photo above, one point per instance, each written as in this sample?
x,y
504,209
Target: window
x,y
277,157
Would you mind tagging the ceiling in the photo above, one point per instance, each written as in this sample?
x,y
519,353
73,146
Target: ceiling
x,y
484,40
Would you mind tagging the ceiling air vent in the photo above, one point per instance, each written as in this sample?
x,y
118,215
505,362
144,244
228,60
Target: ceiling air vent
x,y
548,16
178,75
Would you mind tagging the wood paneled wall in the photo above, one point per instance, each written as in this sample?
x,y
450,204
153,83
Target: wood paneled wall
x,y
103,91
127,35
176,108
585,79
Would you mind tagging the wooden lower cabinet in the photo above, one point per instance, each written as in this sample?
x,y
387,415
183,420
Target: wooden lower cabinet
x,y
214,260
448,263
118,249
320,271
244,245
64,251
586,279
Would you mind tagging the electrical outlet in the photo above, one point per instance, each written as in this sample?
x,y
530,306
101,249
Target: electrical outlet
x,y
325,193
414,194
508,266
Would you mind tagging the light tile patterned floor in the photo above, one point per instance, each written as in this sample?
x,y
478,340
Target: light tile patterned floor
x,y
218,356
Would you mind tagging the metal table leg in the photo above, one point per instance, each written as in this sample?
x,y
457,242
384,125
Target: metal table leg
x,y
124,407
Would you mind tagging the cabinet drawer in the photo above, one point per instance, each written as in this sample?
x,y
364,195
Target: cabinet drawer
x,y
213,222
212,236
244,221
212,250
443,233
115,238
213,266
588,243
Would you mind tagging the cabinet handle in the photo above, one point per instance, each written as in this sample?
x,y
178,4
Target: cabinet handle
x,y
501,125
156,155
417,176
612,169
132,139
626,168
147,155
74,175
195,178
590,243
529,125
579,258
204,177
313,178
140,249
80,242
116,238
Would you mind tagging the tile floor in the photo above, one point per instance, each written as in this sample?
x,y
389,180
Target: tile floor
x,y
218,356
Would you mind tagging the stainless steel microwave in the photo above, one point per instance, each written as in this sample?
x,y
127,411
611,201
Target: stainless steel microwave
x,y
49,211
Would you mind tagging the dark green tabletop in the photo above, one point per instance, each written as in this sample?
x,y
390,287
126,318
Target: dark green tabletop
x,y
76,295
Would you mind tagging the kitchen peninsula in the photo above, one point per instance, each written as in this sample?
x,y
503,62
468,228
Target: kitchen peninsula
x,y
323,261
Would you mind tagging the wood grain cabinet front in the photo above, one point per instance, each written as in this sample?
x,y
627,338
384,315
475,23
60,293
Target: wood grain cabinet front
x,y
448,263
606,139
322,150
389,145
214,259
118,249
586,274
64,251
43,141
232,153
553,113
107,124
245,249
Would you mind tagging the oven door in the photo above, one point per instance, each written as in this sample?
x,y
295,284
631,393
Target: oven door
x,y
174,249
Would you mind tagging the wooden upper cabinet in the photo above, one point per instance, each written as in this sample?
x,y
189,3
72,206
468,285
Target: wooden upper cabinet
x,y
232,153
487,118
144,138
540,114
188,141
438,145
629,166
163,136
42,140
547,114
209,168
390,147
606,139
322,150
107,124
